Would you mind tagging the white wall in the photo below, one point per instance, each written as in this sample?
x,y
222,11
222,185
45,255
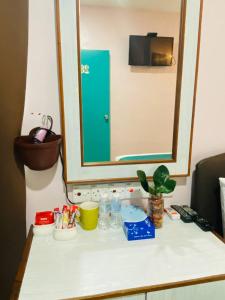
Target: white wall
x,y
45,189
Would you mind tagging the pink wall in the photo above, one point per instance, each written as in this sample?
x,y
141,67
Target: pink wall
x,y
45,189
141,97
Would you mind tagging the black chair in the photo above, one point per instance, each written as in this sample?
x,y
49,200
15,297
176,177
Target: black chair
x,y
206,190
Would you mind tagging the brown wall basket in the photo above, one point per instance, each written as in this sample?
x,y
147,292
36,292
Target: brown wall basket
x,y
38,156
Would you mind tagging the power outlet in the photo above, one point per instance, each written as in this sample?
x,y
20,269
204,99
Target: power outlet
x,y
134,191
128,191
81,194
96,192
117,188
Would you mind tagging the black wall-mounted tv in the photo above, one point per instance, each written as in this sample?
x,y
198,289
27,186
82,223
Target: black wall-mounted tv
x,y
150,50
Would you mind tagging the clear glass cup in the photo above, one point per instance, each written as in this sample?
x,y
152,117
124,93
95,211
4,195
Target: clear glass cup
x,y
116,219
104,212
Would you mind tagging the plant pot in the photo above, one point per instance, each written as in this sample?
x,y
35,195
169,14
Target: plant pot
x,y
156,210
38,156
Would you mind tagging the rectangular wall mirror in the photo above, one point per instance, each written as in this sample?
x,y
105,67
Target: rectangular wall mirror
x,y
128,78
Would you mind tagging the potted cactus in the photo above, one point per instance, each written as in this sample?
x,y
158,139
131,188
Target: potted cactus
x,y
162,184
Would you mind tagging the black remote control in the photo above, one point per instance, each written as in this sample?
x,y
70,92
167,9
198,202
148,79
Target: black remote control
x,y
190,211
185,217
201,222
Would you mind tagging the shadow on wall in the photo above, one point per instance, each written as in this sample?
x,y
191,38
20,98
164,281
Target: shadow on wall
x,y
153,70
38,180
181,181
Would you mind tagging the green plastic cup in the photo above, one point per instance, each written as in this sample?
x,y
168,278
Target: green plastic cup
x,y
89,215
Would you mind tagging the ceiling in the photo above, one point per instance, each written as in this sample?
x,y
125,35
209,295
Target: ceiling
x,y
157,5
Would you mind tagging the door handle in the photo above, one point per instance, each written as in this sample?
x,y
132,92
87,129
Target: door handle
x,y
106,117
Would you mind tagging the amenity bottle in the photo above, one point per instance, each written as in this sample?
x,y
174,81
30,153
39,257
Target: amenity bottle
x,y
104,212
115,220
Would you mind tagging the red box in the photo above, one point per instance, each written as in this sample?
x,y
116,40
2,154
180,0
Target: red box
x,y
44,218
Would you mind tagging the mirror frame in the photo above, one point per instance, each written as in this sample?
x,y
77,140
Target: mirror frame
x,y
70,95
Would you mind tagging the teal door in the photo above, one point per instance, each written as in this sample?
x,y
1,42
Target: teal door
x,y
95,86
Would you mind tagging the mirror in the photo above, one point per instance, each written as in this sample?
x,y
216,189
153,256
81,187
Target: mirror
x,y
150,91
130,79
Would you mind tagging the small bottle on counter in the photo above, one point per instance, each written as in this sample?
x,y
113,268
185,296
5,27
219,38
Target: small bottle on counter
x,y
104,211
116,220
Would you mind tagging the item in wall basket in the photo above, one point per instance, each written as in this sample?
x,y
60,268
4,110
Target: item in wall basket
x,y
136,224
89,215
40,133
172,213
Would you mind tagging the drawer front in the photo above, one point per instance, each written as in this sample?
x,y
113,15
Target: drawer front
x,y
206,291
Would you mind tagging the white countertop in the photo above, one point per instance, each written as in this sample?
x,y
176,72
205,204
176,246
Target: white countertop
x,y
99,262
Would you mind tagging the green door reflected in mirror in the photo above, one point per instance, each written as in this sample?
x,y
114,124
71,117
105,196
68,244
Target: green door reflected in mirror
x,y
95,80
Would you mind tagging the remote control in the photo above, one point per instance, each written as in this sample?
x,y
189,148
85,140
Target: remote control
x,y
190,211
201,222
185,217
172,213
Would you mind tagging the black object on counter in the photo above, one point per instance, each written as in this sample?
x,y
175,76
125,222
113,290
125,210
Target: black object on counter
x,y
200,221
206,190
185,217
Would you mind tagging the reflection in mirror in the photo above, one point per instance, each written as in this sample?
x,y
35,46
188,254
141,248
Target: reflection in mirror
x,y
130,80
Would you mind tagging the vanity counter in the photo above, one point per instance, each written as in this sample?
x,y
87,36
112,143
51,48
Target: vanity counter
x,y
99,265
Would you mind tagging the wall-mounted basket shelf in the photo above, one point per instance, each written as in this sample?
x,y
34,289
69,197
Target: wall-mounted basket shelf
x,y
38,156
